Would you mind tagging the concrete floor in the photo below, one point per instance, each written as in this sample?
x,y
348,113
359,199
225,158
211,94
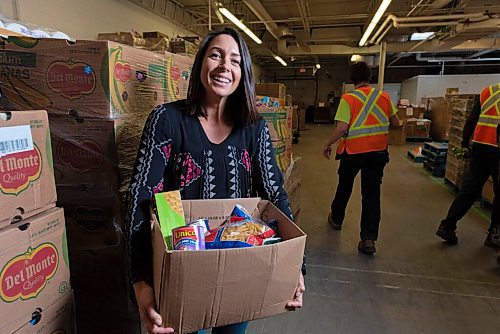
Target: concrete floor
x,y
415,283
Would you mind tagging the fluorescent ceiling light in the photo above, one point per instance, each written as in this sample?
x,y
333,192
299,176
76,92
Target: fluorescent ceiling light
x,y
373,23
239,24
318,66
278,58
420,36
356,58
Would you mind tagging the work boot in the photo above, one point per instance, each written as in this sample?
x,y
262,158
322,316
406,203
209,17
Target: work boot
x,y
493,238
447,234
367,247
333,224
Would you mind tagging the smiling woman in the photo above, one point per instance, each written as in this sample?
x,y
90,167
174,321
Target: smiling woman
x,y
212,145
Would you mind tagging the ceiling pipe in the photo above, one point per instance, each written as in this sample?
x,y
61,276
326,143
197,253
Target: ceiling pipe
x,y
420,20
262,14
419,57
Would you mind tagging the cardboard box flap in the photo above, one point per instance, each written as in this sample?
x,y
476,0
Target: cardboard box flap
x,y
285,230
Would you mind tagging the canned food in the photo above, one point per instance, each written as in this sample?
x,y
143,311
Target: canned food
x,y
188,238
203,223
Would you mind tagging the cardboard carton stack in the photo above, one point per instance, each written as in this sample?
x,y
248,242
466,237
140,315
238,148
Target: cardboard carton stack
x,y
35,288
440,115
271,106
98,95
293,184
455,167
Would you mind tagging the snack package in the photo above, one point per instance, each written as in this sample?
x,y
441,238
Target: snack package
x,y
170,214
245,233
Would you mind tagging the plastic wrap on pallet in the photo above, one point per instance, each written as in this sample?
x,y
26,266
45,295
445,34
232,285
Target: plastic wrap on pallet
x,y
88,80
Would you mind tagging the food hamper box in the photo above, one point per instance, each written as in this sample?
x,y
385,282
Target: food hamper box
x,y
26,171
34,266
209,288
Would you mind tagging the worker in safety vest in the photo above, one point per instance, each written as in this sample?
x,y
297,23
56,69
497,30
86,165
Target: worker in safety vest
x,y
483,123
362,124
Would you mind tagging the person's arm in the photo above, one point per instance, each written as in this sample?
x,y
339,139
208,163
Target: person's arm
x,y
394,119
471,123
342,120
152,157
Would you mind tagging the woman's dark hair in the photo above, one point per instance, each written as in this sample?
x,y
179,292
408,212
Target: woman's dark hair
x,y
241,104
360,72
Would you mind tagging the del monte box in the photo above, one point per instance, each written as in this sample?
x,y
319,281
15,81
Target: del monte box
x,y
34,269
26,171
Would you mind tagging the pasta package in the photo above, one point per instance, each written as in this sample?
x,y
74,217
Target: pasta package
x,y
240,234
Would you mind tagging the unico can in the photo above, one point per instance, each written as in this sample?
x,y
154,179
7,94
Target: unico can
x,y
188,238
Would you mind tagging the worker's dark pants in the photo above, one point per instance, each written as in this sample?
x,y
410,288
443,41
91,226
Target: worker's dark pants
x,y
371,166
483,164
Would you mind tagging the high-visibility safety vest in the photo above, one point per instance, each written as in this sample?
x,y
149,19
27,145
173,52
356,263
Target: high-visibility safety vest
x,y
486,128
369,123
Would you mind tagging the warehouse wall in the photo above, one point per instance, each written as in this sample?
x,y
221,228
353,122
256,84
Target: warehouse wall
x,y
435,85
84,19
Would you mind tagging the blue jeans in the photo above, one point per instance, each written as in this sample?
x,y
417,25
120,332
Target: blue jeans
x,y
229,329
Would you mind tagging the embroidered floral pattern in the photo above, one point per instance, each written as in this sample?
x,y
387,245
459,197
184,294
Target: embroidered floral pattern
x,y
167,150
158,188
245,160
191,171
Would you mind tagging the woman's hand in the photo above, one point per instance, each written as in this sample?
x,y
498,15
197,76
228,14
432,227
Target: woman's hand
x,y
297,299
147,310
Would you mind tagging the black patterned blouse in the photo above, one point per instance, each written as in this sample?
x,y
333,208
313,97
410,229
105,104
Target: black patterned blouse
x,y
175,154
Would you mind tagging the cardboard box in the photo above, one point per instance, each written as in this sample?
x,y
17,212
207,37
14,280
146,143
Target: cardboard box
x,y
397,136
55,318
293,185
278,121
34,264
418,128
132,38
440,115
268,101
84,151
236,284
410,112
175,79
277,90
89,78
288,100
283,153
183,46
103,308
26,174
94,216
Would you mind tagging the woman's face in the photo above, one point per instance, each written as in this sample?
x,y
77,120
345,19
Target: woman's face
x,y
221,67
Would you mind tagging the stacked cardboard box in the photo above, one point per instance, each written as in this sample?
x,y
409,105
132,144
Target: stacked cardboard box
x,y
35,284
279,120
461,105
440,115
98,95
293,184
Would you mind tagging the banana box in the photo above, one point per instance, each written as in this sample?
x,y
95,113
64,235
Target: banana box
x,y
26,171
84,151
93,214
100,79
55,318
34,265
267,101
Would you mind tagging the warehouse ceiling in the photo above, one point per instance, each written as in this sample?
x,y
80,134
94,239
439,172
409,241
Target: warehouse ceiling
x,y
329,31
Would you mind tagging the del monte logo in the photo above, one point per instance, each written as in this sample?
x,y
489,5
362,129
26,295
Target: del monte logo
x,y
80,154
18,170
25,276
71,79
